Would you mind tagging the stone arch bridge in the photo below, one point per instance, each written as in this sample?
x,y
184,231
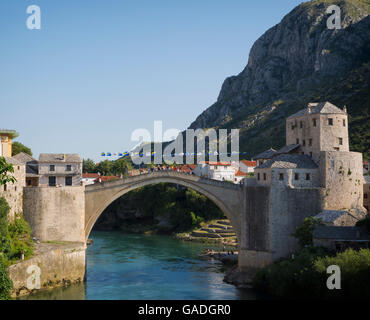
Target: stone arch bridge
x,y
227,196
264,218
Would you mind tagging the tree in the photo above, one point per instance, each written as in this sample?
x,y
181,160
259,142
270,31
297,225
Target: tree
x,y
121,166
88,166
105,168
5,169
18,147
304,232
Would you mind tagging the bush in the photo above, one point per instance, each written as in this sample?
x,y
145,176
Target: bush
x,y
305,276
6,283
304,231
365,223
5,244
20,237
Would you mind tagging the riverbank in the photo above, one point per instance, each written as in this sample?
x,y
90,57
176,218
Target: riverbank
x,y
53,264
155,267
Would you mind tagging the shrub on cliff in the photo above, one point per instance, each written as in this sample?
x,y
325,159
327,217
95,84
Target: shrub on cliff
x,y
20,237
5,244
6,283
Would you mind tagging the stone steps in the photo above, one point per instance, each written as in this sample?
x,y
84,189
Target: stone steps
x,y
214,230
211,235
224,222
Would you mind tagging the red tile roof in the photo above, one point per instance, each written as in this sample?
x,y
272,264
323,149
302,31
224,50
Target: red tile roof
x,y
106,178
217,163
250,163
240,173
90,175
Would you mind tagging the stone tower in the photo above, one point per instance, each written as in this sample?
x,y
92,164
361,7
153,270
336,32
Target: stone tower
x,y
320,127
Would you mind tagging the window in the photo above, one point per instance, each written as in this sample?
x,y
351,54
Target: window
x,y
340,141
365,195
281,176
300,124
258,176
304,142
52,167
216,167
19,167
314,122
225,167
15,188
296,176
264,176
330,121
29,182
5,187
297,141
308,176
310,142
292,125
69,167
311,154
52,181
344,122
68,181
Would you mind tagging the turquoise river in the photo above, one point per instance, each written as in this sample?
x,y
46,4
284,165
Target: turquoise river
x,y
131,266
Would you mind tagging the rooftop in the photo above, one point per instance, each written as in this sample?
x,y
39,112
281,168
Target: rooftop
x,y
289,161
59,157
288,148
367,179
240,174
318,107
268,154
249,163
11,133
340,233
24,157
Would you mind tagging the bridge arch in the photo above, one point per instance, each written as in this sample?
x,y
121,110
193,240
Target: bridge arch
x,y
99,196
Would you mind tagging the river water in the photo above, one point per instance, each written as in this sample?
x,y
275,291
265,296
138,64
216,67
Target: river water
x,y
131,266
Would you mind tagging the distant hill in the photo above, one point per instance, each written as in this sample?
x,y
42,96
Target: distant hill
x,y
295,62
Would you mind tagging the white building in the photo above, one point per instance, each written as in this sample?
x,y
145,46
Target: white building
x,y
222,171
89,178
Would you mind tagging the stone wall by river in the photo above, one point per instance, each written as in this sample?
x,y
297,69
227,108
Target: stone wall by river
x,y
56,263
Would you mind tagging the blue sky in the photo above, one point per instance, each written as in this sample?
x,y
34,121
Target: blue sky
x,y
99,69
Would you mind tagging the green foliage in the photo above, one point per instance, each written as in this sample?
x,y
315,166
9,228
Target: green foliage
x,y
305,276
21,239
186,208
304,232
18,147
6,283
5,243
365,223
290,277
355,271
88,166
5,170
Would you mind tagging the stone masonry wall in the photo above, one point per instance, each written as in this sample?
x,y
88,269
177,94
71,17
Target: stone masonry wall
x,y
59,264
55,214
13,193
341,175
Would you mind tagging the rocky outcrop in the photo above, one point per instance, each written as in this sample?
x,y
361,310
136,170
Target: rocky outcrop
x,y
292,60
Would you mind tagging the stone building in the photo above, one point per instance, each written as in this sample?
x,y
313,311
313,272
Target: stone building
x,y
264,156
289,170
313,173
32,168
317,154
13,192
340,238
59,169
320,127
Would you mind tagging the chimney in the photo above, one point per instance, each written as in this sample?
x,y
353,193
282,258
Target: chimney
x,y
345,109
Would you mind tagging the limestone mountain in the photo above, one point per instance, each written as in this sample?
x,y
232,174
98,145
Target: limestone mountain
x,y
299,60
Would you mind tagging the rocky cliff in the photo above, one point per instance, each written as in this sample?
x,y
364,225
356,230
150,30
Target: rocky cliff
x,y
297,61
